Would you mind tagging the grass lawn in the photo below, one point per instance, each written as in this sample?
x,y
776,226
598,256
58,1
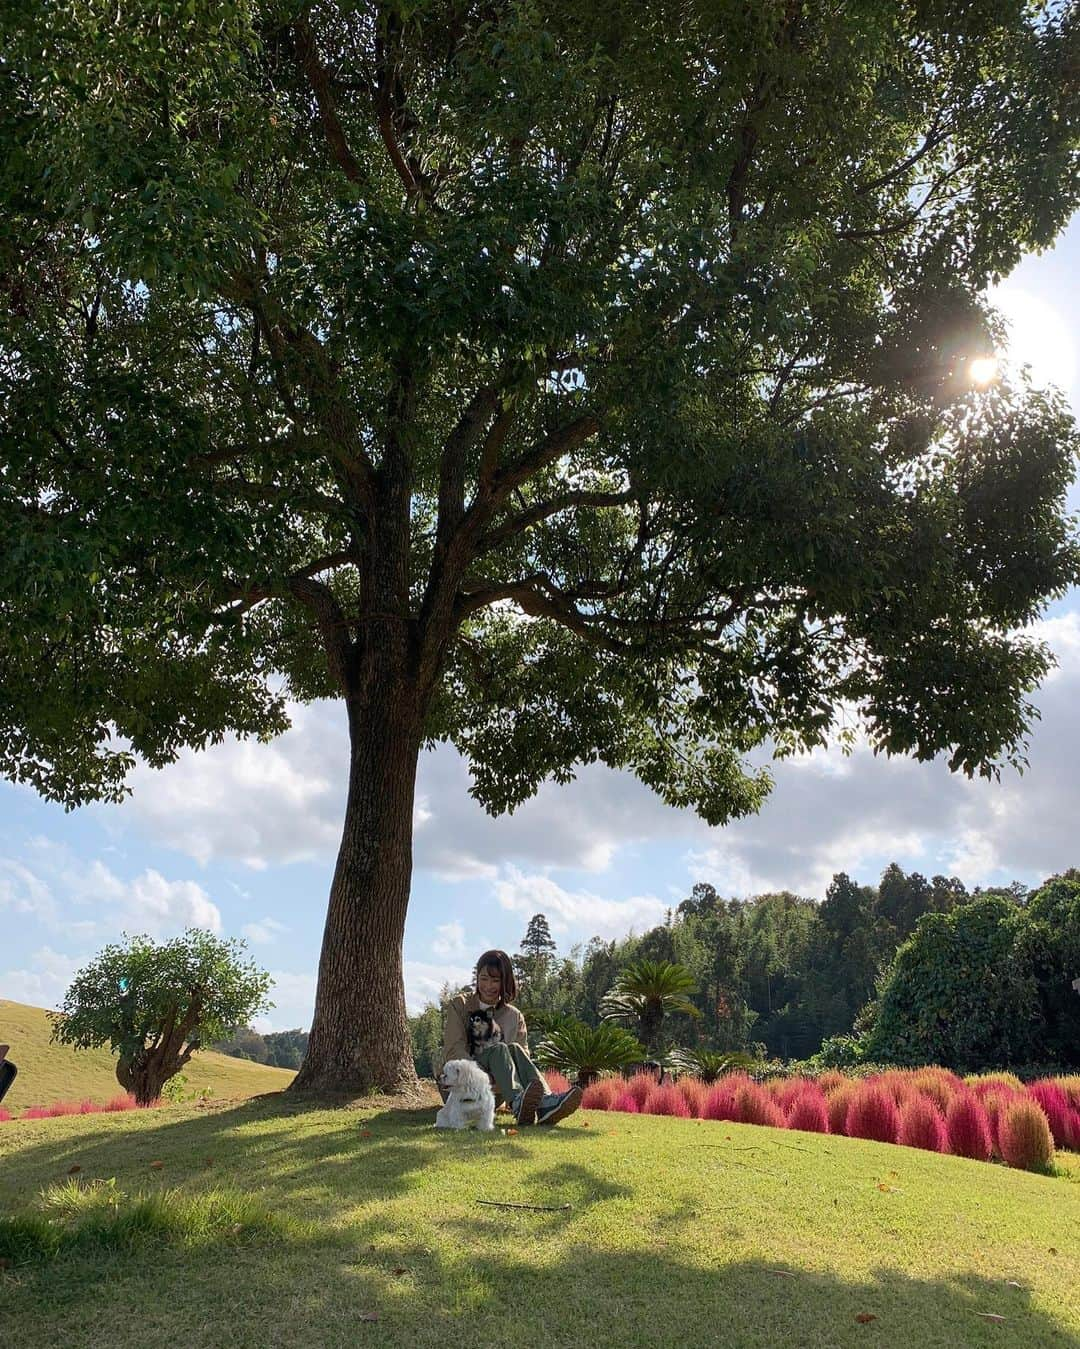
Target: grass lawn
x,y
49,1072
678,1232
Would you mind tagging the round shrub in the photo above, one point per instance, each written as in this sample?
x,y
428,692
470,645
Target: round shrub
x,y
980,1083
830,1080
720,1103
969,1129
1070,1085
694,1092
639,1087
600,1095
936,1086
838,1103
89,1107
809,1111
627,1103
754,1106
994,1103
873,1114
922,1125
5,1115
1056,1108
1024,1136
666,1101
557,1081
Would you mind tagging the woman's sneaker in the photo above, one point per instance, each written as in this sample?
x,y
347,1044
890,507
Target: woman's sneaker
x,y
527,1101
564,1104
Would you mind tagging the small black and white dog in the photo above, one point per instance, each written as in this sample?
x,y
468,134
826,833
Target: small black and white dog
x,y
484,1031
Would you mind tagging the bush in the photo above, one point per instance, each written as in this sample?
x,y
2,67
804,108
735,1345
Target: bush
x,y
720,1104
600,1095
809,1111
1024,1136
922,1125
694,1093
969,1128
1056,1108
840,1051
666,1101
754,1106
838,1103
627,1103
873,1114
639,1087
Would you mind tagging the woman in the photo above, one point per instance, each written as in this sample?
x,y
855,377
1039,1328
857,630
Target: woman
x,y
486,1026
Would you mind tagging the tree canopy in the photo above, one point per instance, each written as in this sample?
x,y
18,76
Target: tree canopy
x,y
567,384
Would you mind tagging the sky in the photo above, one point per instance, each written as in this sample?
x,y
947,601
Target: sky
x,y
241,838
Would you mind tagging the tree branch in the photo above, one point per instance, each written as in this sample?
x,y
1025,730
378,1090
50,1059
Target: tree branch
x,y
308,56
543,510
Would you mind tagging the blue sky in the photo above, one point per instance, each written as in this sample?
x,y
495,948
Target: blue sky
x,y
242,838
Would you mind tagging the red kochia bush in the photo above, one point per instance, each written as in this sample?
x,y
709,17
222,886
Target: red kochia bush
x,y
720,1103
873,1114
89,1107
64,1108
922,1125
1024,1136
694,1092
969,1128
125,1102
838,1103
809,1110
753,1106
666,1101
600,1095
639,1087
556,1081
1056,1108
626,1103
35,1112
831,1079
4,1115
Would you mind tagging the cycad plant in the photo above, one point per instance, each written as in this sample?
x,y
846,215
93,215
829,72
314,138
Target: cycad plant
x,y
708,1064
646,992
587,1051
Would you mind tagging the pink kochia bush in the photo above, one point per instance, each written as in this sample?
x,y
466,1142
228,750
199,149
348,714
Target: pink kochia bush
x,y
755,1106
694,1092
969,1129
839,1102
1056,1107
922,1125
1024,1136
556,1081
873,1114
600,1095
720,1104
809,1110
627,1103
5,1115
666,1101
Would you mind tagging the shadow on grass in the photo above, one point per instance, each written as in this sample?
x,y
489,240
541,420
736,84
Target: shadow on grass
x,y
405,1295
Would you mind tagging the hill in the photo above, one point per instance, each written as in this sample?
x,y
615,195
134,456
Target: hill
x,y
51,1072
335,1227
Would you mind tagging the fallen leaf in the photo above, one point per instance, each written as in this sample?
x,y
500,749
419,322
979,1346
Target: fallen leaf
x,y
1053,1250
369,1316
400,1270
208,1161
584,1123
371,1248
73,1170
1011,1283
990,1316
157,1165
236,1229
511,1131
864,1318
5,1263
365,1133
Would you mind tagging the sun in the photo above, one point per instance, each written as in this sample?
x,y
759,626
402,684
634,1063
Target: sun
x,y
983,370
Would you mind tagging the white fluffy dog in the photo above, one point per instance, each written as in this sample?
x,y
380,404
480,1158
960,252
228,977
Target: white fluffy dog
x,y
471,1100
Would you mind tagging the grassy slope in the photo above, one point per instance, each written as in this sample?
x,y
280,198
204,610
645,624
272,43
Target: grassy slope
x,y
51,1072
680,1233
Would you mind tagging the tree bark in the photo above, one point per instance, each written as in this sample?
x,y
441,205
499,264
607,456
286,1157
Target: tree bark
x,y
359,1038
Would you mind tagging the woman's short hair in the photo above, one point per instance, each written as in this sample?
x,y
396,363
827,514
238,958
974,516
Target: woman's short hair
x,y
499,961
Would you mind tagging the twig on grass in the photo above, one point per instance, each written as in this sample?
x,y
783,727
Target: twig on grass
x,y
534,1208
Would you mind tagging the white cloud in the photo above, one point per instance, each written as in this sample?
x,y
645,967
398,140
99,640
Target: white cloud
x,y
263,932
449,940
45,983
23,892
577,912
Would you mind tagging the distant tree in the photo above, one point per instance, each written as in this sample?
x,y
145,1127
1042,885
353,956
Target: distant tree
x,y
154,1006
286,1047
537,952
243,1042
1050,942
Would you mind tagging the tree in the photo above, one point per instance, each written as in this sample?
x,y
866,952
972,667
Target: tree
x,y
1050,941
242,1042
537,951
588,1051
566,386
646,992
154,1006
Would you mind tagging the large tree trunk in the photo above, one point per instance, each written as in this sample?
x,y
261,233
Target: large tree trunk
x,y
359,1035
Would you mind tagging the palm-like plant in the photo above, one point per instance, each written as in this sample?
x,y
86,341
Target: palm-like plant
x,y
646,992
586,1051
708,1064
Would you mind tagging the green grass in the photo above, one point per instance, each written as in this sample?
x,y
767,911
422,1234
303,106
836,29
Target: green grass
x,y
50,1072
678,1232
